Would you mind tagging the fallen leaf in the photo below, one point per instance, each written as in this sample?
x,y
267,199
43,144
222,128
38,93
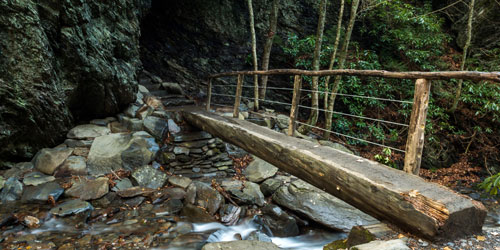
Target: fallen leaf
x,y
401,236
446,248
481,238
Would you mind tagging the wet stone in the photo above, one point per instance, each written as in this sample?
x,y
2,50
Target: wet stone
x,y
31,222
178,181
203,195
156,126
173,128
134,191
48,160
147,176
74,165
269,186
196,214
181,150
169,207
223,163
72,143
279,222
258,236
183,158
12,190
81,151
103,122
192,136
36,178
229,214
122,184
41,193
131,110
71,207
117,127
134,202
18,170
87,131
259,170
89,189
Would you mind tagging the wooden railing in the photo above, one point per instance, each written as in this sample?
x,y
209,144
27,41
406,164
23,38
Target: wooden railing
x,y
415,139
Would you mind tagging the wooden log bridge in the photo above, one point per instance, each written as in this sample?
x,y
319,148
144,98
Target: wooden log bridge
x,y
405,200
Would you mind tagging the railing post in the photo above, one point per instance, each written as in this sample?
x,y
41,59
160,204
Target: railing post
x,y
297,85
415,140
256,93
237,99
209,93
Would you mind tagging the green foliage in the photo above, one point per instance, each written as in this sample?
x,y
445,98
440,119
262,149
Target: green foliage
x,y
385,158
491,184
484,98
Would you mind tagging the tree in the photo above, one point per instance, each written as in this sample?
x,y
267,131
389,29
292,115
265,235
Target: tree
x,y
313,117
273,21
464,56
342,58
254,55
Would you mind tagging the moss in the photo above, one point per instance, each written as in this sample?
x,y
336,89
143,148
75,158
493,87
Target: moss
x,y
359,235
338,244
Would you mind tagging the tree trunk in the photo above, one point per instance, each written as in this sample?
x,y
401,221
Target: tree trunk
x,y
334,54
273,21
254,55
411,203
342,58
464,56
313,117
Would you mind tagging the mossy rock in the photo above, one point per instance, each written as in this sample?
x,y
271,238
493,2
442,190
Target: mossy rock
x,y
359,235
338,244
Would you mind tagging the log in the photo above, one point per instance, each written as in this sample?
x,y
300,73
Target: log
x,y
441,75
407,201
416,130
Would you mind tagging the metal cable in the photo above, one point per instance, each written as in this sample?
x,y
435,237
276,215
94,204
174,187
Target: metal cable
x,y
275,88
358,96
356,116
352,137
283,103
224,85
223,95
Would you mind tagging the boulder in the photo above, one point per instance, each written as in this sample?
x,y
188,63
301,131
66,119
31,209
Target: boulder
x,y
203,195
11,190
71,207
72,143
41,193
85,189
147,176
87,131
282,121
74,165
103,122
179,181
36,178
131,111
48,160
398,244
229,214
172,88
269,186
279,222
320,206
240,244
157,127
18,170
259,170
196,214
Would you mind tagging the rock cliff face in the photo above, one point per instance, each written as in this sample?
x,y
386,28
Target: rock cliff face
x,y
63,61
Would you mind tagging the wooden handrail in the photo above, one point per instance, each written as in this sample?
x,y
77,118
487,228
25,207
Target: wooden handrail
x,y
441,75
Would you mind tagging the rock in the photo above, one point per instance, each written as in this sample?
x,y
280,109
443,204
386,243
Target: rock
x,y
117,127
74,165
89,189
36,178
72,143
196,214
181,150
48,160
191,136
179,181
87,131
147,176
11,190
172,88
253,190
134,191
18,170
41,193
142,89
258,236
282,121
144,112
269,186
103,122
229,214
240,244
336,146
106,153
122,184
359,235
203,195
2,182
71,207
279,222
320,206
170,207
397,244
173,128
131,111
156,126
133,124
259,170
84,152
31,222
194,144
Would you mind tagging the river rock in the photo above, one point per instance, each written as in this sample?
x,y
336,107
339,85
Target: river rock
x,y
397,244
170,207
48,160
87,131
179,181
282,121
106,153
229,214
336,146
269,186
172,88
11,190
31,222
320,206
203,195
134,191
240,244
279,222
173,128
147,176
71,207
103,122
181,150
156,126
244,192
2,182
18,170
131,111
259,236
74,165
191,136
41,193
132,124
89,189
36,178
122,184
144,112
72,143
196,214
259,170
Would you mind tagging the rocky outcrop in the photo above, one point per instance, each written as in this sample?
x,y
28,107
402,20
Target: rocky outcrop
x,y
62,61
